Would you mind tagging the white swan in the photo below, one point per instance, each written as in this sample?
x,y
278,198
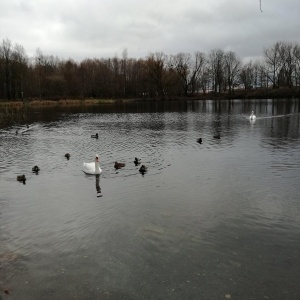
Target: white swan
x,y
252,116
92,168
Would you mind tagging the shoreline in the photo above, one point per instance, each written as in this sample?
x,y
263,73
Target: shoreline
x,y
281,93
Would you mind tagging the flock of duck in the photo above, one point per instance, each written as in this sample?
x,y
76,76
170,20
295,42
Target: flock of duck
x,y
93,168
137,161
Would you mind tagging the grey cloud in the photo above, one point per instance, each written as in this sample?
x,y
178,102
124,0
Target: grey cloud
x,y
80,29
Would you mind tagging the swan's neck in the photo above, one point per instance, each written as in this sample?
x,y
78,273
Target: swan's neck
x,y
97,166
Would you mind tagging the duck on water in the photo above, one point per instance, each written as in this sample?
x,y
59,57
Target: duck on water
x,y
137,161
143,169
35,169
119,165
21,178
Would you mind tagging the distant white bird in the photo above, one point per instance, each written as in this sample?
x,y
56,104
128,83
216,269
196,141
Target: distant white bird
x,y
92,168
252,116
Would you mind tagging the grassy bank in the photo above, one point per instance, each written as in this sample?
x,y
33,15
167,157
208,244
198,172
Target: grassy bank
x,y
16,111
280,93
283,93
45,102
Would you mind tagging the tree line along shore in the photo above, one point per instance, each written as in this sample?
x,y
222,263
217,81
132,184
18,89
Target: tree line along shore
x,y
46,79
280,93
17,111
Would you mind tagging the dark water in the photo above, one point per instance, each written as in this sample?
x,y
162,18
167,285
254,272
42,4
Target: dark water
x,y
217,220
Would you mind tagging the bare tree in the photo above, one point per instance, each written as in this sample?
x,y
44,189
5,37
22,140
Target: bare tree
x,y
197,71
69,79
205,78
156,65
232,69
288,64
188,70
124,70
273,63
156,75
180,64
6,56
296,54
247,75
18,70
216,62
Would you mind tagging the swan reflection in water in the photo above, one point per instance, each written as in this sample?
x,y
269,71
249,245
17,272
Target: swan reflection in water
x,y
98,188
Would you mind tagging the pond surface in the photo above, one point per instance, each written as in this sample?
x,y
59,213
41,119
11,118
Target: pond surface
x,y
217,220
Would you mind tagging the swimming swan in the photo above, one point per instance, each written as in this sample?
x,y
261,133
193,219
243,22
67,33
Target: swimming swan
x,y
92,168
252,116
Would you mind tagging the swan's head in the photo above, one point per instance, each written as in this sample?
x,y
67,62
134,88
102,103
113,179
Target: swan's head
x,y
97,157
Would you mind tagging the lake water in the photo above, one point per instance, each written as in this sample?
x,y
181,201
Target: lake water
x,y
217,220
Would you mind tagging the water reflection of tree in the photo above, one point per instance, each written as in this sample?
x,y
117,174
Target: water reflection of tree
x,y
281,117
282,122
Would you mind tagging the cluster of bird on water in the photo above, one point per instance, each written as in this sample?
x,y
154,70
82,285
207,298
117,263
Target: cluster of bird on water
x,y
94,167
217,136
22,178
252,118
90,168
137,161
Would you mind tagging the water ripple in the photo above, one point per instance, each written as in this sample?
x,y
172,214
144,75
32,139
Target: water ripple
x,y
217,206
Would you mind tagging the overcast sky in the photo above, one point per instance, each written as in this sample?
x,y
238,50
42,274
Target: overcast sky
x,y
80,29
